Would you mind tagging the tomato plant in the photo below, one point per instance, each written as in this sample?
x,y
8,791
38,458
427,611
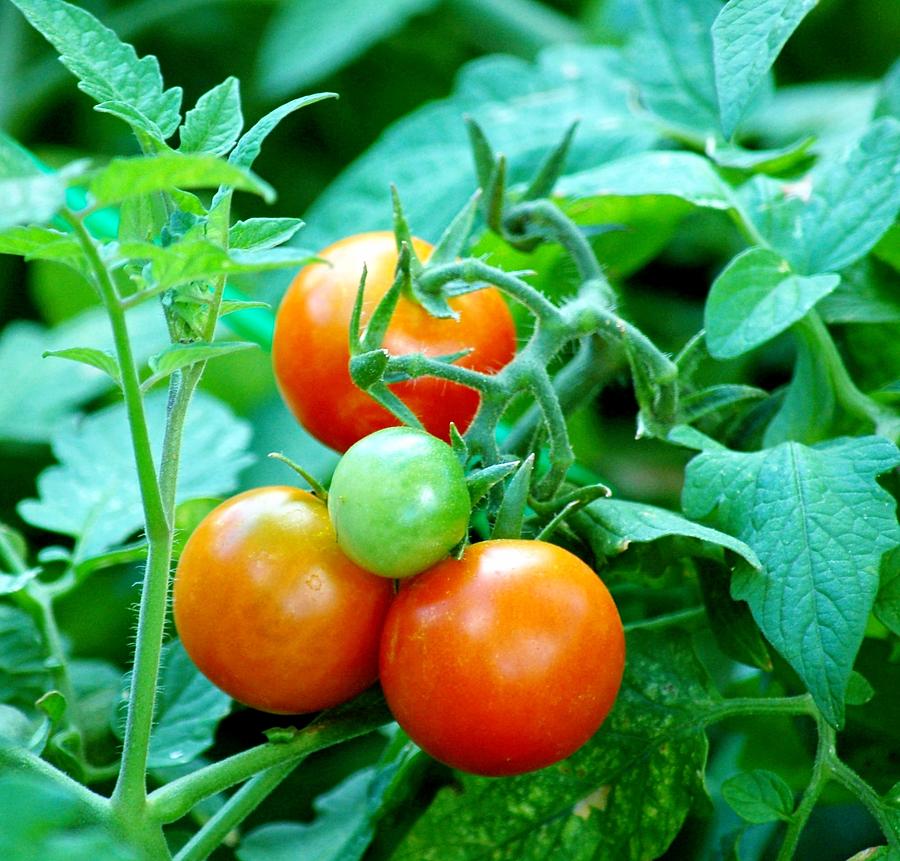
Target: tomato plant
x,y
399,501
269,608
311,353
503,661
696,224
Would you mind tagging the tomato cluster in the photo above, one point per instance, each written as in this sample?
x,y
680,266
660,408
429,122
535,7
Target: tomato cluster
x,y
503,660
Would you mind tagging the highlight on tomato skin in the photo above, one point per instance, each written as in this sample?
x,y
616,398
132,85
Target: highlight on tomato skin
x,y
311,354
270,609
505,661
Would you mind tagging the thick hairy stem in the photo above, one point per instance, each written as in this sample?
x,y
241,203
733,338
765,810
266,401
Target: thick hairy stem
x,y
175,799
130,791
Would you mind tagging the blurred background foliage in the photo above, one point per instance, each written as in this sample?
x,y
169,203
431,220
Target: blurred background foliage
x,y
406,72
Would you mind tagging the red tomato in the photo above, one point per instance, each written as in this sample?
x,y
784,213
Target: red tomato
x,y
270,609
505,661
311,351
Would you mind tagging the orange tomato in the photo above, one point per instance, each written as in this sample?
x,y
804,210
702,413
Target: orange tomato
x,y
270,609
311,352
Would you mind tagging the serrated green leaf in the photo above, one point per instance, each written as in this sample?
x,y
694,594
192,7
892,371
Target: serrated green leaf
x,y
820,523
178,356
187,713
294,54
624,795
201,260
100,359
671,59
250,144
41,243
756,297
107,69
759,796
522,106
213,126
93,493
123,178
747,37
262,232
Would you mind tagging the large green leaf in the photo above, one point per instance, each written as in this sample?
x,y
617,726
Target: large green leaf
x,y
523,108
820,523
671,60
624,795
93,494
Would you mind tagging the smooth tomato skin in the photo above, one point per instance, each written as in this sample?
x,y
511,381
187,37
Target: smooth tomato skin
x,y
399,501
271,611
311,352
505,661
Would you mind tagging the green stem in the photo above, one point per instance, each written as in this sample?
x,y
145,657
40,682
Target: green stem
x,y
689,617
555,226
576,383
850,780
820,776
175,799
472,271
131,790
233,812
848,395
417,365
751,706
561,454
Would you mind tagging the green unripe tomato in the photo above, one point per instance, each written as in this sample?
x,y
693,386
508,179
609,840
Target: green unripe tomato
x,y
399,501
